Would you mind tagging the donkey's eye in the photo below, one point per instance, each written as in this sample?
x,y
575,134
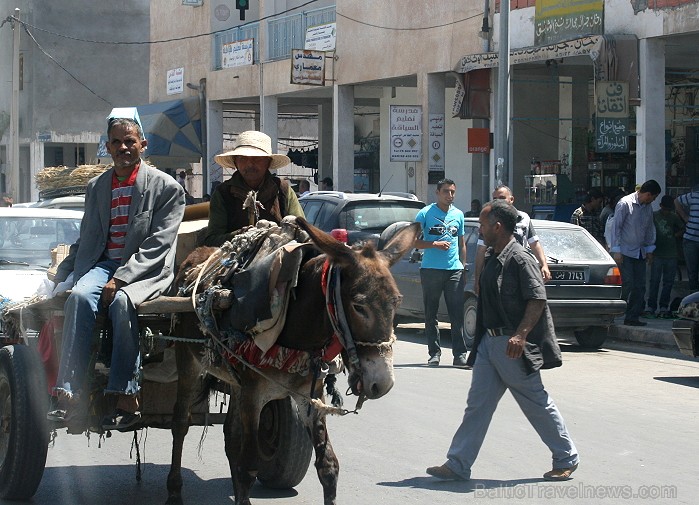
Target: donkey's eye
x,y
359,309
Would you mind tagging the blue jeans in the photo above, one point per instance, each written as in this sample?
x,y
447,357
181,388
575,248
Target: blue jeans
x,y
79,341
665,269
493,374
691,259
451,283
633,277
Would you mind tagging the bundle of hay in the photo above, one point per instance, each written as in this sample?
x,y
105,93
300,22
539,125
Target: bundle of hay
x,y
52,178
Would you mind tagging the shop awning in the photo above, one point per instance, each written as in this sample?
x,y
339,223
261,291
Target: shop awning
x,y
615,57
173,131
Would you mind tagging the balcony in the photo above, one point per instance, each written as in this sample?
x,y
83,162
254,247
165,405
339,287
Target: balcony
x,y
283,34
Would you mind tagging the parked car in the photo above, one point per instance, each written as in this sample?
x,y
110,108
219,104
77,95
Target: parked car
x,y
584,295
357,217
27,236
685,329
76,202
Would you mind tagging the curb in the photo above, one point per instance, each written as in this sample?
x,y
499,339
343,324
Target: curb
x,y
646,335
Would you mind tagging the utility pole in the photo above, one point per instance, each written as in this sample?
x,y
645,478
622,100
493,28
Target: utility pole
x,y
12,175
502,122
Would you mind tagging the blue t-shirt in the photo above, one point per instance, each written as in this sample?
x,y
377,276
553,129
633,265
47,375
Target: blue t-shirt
x,y
438,225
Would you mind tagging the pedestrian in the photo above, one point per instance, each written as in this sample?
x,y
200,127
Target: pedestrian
x,y
475,209
612,199
441,271
304,187
687,207
609,224
587,215
632,245
124,256
252,192
182,178
326,184
524,233
515,339
668,228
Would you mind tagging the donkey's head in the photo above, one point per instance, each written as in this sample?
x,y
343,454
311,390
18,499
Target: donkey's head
x,y
369,298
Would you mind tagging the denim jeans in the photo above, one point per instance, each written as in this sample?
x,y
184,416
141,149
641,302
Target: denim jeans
x,y
79,341
691,259
493,374
665,268
633,276
451,283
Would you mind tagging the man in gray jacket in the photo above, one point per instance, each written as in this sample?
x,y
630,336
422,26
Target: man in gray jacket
x,y
124,256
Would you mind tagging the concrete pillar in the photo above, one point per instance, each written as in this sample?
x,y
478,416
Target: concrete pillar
x,y
214,139
650,127
36,162
268,114
325,138
430,94
565,125
343,139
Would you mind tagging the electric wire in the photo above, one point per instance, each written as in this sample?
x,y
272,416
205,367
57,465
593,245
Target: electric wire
x,y
420,28
31,36
151,42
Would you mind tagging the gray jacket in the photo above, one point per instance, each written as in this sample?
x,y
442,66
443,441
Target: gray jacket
x,y
147,265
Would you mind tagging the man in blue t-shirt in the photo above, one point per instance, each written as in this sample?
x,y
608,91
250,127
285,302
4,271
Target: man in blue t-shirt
x,y
442,270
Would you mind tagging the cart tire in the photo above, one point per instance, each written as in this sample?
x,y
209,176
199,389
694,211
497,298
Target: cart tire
x,y
284,445
24,434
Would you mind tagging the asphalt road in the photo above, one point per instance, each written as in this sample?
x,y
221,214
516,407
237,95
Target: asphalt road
x,y
632,412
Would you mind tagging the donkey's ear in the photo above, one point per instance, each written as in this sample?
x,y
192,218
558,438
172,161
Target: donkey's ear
x,y
401,242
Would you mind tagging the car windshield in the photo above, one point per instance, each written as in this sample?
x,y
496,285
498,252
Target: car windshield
x,y
570,245
377,215
29,240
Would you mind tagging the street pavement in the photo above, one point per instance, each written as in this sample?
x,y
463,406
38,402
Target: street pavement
x,y
630,408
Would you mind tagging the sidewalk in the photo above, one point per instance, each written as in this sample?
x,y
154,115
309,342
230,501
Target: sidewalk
x,y
657,332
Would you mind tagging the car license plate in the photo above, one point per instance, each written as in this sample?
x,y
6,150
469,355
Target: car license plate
x,y
567,275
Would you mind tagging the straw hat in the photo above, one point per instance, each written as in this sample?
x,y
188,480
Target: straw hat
x,y
252,143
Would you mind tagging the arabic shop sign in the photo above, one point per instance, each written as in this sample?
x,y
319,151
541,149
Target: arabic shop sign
x,y
406,132
307,67
557,20
237,54
435,154
578,47
611,117
175,81
320,37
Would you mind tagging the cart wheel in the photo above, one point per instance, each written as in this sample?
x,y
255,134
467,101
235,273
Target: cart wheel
x,y
284,445
24,434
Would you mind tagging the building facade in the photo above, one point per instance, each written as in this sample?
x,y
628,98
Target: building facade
x,y
404,96
74,68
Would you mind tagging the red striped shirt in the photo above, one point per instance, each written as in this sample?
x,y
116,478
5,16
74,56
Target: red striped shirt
x,y
118,222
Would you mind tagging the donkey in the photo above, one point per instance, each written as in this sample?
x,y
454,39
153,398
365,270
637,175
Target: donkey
x,y
369,297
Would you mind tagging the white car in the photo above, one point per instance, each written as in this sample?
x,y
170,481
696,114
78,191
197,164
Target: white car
x,y
72,202
27,236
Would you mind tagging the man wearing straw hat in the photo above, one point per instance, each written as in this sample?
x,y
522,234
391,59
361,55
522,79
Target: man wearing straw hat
x,y
252,193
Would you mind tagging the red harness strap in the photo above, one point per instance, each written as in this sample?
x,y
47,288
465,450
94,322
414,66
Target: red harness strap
x,y
335,346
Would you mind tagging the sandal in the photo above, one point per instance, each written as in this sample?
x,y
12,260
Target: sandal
x,y
121,420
